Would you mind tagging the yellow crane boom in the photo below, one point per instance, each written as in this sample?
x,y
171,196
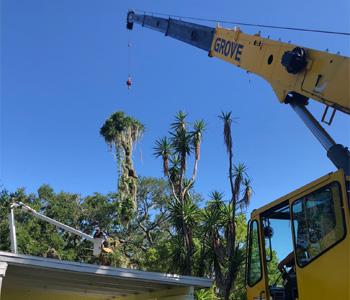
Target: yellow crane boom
x,y
295,73
288,68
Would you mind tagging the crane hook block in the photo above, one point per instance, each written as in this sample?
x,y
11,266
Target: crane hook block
x,y
294,61
130,19
129,83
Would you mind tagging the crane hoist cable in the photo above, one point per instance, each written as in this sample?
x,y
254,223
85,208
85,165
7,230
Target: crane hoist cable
x,y
129,81
246,24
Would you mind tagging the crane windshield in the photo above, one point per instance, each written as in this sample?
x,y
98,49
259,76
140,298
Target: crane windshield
x,y
318,222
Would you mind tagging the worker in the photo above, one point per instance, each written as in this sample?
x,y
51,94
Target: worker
x,y
289,276
288,262
98,234
52,253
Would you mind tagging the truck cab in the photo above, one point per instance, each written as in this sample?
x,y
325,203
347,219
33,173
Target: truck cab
x,y
299,245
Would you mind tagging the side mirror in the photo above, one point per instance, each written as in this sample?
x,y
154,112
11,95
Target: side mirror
x,y
268,233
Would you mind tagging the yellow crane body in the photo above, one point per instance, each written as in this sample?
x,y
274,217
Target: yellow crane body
x,y
324,274
319,80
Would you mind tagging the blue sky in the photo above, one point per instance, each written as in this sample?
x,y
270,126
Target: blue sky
x,y
64,65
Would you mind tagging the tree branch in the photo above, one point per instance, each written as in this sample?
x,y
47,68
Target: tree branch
x,y
193,178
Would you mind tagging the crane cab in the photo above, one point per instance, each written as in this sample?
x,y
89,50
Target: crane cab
x,y
299,245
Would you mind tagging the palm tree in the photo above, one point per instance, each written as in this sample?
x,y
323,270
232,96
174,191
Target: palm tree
x,y
199,127
121,132
180,121
163,150
174,152
226,118
213,224
181,139
221,221
248,191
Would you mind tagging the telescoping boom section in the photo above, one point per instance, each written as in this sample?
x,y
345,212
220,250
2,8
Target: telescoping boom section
x,y
310,73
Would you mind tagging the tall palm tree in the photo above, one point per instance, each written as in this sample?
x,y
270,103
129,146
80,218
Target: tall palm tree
x,y
121,132
199,127
226,268
181,139
248,191
226,118
174,152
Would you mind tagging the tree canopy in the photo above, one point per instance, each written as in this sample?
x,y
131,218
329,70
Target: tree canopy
x,y
121,132
152,224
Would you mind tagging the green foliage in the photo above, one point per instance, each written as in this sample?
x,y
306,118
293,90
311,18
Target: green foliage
x,y
5,202
184,213
274,273
208,294
223,227
121,132
163,150
226,118
36,237
152,224
150,242
117,125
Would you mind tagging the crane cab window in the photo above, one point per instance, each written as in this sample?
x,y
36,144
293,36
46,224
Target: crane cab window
x,y
254,260
279,253
318,223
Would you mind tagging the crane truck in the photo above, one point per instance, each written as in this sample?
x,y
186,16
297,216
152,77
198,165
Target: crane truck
x,y
316,217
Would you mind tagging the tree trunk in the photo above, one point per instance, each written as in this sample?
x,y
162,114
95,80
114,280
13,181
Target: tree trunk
x,y
189,249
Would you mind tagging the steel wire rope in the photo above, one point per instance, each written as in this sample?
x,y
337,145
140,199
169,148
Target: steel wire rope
x,y
129,53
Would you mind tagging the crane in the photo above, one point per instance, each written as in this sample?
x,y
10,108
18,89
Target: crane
x,y
295,73
317,214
